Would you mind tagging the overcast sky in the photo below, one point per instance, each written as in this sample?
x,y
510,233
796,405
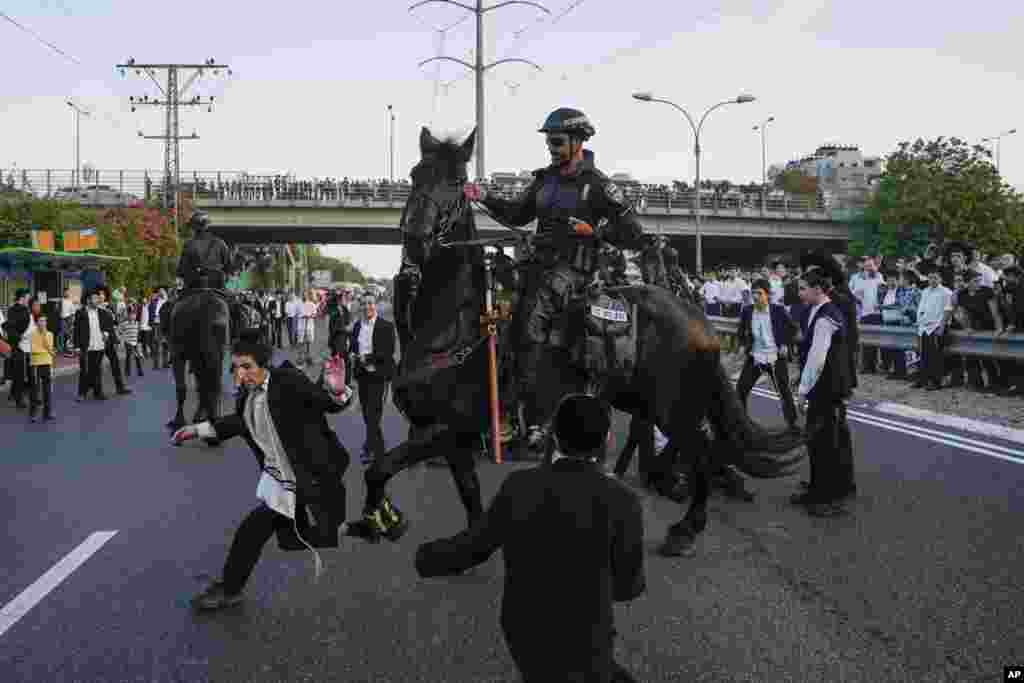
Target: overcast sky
x,y
311,82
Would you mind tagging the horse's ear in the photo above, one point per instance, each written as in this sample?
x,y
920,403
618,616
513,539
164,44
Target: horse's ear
x,y
467,146
428,143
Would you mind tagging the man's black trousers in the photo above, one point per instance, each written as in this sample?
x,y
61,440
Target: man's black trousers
x,y
41,380
780,372
830,451
18,370
933,361
543,667
371,403
115,366
90,377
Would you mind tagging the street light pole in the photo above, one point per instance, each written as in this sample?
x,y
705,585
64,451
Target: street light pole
x,y
764,162
391,145
999,142
697,128
78,141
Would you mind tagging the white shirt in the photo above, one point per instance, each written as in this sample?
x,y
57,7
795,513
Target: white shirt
x,y
366,336
712,291
935,302
764,349
67,308
866,291
778,290
732,290
988,275
95,331
144,318
821,342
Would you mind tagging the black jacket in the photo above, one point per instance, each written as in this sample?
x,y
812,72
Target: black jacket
x,y
18,320
81,326
383,356
298,408
207,252
572,540
588,195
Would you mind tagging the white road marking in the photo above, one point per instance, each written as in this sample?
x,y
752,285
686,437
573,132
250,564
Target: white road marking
x,y
946,438
954,421
33,595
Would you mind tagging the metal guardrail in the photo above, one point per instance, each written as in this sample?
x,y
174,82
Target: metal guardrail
x,y
977,344
123,187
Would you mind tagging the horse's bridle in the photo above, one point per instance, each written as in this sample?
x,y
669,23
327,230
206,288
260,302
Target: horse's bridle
x,y
448,212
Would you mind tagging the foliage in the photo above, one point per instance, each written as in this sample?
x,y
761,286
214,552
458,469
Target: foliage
x,y
793,181
141,233
341,269
953,187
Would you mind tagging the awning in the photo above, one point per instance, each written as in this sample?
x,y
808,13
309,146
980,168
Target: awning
x,y
35,259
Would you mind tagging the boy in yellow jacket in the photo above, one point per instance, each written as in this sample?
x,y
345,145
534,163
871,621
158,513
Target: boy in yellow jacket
x,y
41,371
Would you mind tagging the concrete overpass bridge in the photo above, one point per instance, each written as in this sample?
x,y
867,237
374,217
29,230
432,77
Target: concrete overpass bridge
x,y
727,234
247,208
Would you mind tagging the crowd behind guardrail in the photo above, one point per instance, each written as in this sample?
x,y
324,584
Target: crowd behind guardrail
x,y
980,345
103,187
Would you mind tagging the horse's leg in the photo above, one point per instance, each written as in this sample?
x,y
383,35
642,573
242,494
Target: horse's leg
x,y
180,390
462,461
380,516
683,534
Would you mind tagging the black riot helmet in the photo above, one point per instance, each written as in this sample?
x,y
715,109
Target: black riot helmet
x,y
572,122
200,221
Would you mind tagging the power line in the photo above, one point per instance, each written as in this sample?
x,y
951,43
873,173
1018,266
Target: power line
x,y
40,38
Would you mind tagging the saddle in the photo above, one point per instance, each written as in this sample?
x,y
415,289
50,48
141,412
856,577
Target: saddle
x,y
604,347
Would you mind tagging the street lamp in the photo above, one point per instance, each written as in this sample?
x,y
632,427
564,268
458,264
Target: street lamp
x,y
764,162
78,140
999,139
742,99
391,144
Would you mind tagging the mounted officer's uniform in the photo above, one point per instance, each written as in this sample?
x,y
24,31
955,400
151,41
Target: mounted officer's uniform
x,y
559,198
206,260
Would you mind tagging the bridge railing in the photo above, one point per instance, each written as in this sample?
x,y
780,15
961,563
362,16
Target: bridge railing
x,y
233,188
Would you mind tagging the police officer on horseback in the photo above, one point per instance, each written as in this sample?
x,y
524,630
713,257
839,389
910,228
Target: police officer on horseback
x,y
206,259
576,207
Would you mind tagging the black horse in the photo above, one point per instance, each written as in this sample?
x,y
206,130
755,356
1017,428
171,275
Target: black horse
x,y
678,381
198,332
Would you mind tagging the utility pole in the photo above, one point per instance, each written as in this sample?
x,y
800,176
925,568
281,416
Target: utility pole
x,y
391,144
479,68
173,100
79,112
764,162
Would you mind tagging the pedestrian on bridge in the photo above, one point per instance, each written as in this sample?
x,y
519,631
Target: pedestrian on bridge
x,y
571,536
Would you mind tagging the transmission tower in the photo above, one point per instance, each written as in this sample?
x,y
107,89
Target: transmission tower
x,y
479,68
173,100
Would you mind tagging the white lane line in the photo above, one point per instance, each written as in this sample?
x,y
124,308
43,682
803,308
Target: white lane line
x,y
953,421
956,441
31,596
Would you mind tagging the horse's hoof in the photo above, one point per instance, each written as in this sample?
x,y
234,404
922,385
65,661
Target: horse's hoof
x,y
676,545
361,529
396,532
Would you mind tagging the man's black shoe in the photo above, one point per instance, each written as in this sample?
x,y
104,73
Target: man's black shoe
x,y
80,399
932,387
101,397
124,391
49,417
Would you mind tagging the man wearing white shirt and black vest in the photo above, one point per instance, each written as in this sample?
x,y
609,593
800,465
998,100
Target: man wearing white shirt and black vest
x,y
373,358
825,383
91,332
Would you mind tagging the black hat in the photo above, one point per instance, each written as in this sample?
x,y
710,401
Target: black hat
x,y
761,283
956,245
825,264
21,292
581,424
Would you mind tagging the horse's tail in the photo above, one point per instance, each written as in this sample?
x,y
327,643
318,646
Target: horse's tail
x,y
753,449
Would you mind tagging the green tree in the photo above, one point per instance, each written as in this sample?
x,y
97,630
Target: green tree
x,y
794,181
954,188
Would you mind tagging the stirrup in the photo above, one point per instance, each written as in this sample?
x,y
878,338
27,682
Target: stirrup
x,y
535,436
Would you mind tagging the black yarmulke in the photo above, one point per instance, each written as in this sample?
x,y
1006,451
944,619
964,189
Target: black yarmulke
x,y
582,423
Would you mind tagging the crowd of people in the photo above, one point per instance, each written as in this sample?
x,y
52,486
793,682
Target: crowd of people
x,y
947,288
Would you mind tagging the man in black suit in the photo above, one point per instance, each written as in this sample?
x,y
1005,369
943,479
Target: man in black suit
x,y
282,416
571,536
19,318
112,341
92,330
372,348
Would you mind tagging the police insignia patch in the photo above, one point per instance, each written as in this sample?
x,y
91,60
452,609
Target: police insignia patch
x,y
614,193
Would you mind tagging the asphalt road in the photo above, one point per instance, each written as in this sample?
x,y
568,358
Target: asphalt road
x,y
919,582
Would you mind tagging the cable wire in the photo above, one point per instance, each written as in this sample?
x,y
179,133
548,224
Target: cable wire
x,y
40,38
